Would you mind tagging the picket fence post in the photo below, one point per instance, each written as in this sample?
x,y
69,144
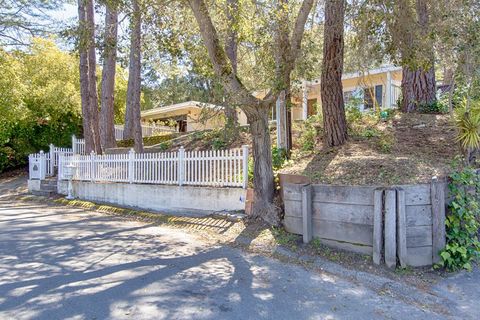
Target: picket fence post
x,y
245,166
181,165
59,166
92,165
52,158
131,159
42,165
74,147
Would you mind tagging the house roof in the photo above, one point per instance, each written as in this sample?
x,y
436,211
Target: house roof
x,y
358,74
178,107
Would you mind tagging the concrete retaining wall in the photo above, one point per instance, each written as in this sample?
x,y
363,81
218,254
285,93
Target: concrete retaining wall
x,y
404,223
159,197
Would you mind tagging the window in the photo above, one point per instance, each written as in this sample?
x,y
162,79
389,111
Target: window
x,y
371,96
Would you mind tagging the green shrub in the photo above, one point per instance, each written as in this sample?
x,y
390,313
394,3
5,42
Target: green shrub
x,y
462,247
164,146
353,114
279,156
148,141
385,142
467,122
370,132
435,107
219,143
309,134
20,138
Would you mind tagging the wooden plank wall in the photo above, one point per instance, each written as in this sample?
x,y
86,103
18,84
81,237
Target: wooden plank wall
x,y
343,217
418,211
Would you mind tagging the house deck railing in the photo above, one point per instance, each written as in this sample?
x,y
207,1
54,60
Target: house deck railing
x,y
147,130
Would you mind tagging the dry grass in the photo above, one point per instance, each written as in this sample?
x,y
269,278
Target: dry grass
x,y
410,148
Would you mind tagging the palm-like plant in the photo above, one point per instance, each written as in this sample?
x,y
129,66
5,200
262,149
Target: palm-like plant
x,y
467,121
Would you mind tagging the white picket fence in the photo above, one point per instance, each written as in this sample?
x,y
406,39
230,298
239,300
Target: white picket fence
x,y
39,165
42,165
78,145
219,168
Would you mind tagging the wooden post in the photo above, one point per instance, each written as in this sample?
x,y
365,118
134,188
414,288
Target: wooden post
x,y
245,166
437,194
131,159
377,225
401,228
305,101
390,228
181,165
307,213
388,91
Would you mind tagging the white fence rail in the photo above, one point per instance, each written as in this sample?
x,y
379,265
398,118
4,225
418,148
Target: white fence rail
x,y
219,168
54,155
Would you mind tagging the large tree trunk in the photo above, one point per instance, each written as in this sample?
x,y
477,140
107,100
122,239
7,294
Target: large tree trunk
x,y
418,88
133,128
83,53
334,121
282,72
92,79
107,126
88,81
418,76
263,181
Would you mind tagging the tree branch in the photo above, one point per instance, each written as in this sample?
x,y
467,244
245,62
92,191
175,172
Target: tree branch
x,y
218,57
299,29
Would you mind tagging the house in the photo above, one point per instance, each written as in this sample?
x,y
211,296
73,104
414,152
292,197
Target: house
x,y
365,90
190,116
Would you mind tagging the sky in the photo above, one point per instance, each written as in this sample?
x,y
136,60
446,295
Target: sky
x,y
64,13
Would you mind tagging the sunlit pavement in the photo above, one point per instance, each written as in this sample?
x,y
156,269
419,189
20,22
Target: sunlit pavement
x,y
66,263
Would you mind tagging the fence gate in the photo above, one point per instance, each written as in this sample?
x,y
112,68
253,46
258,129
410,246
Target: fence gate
x,y
37,166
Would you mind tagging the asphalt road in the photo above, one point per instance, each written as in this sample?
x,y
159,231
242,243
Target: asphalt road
x,y
67,263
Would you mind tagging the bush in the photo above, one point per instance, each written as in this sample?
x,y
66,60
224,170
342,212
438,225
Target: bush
x,y
468,125
309,134
462,225
219,143
353,114
386,142
437,107
164,146
279,156
148,141
20,138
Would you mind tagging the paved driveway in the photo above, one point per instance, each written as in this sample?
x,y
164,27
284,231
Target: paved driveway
x,y
65,263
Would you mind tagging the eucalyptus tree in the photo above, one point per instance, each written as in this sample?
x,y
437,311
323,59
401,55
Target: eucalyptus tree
x,y
133,127
257,109
88,82
107,112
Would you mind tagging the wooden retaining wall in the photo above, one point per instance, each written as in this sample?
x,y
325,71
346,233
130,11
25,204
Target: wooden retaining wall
x,y
401,223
